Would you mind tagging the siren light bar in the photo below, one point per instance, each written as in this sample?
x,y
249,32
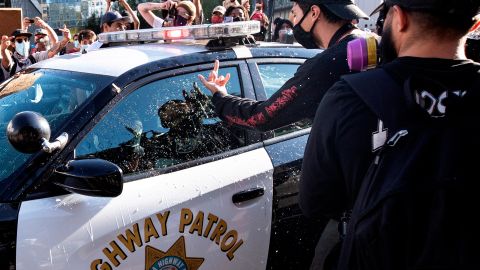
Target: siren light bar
x,y
194,32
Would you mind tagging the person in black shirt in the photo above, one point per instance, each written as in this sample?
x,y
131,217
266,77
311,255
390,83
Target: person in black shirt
x,y
318,24
420,39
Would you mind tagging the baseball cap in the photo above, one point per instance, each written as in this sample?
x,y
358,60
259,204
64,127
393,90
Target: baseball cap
x,y
345,9
449,8
113,16
220,9
41,31
189,7
21,33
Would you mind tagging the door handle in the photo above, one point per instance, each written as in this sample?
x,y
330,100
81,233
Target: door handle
x,y
248,194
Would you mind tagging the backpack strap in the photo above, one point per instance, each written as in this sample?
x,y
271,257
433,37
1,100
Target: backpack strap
x,y
13,70
32,59
380,92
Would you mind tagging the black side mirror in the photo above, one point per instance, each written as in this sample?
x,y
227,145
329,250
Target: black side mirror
x,y
91,177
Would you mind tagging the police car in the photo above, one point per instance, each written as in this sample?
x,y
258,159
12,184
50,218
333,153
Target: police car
x,y
114,159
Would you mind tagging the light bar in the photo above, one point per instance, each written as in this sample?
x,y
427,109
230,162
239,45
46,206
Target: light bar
x,y
195,32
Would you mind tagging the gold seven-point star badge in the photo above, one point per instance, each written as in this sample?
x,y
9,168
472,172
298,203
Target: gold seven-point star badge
x,y
174,259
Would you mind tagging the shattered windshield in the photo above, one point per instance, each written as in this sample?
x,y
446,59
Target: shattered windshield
x,y
52,93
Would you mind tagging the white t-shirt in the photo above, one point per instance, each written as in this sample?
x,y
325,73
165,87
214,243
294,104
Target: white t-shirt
x,y
157,22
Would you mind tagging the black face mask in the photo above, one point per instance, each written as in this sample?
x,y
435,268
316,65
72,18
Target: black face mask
x,y
238,19
303,37
180,21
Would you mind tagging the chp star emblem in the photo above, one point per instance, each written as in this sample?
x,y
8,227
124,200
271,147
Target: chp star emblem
x,y
174,259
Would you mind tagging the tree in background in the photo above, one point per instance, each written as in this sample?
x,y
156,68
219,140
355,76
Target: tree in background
x,y
93,23
208,6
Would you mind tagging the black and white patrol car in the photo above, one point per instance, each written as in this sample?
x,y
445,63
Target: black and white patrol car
x,y
114,159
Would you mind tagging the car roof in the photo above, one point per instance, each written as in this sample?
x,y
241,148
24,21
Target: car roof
x,y
117,60
114,61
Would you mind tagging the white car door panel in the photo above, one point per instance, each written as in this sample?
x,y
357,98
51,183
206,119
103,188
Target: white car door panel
x,y
184,220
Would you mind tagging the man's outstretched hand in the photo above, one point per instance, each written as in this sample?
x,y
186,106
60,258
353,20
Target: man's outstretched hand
x,y
215,83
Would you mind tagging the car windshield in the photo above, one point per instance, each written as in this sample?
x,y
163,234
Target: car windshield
x,y
52,93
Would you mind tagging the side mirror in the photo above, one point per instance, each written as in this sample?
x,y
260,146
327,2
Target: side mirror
x,y
91,177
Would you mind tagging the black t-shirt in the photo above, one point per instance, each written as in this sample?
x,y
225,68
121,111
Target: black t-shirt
x,y
296,100
341,143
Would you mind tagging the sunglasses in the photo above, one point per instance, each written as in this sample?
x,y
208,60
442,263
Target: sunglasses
x,y
21,40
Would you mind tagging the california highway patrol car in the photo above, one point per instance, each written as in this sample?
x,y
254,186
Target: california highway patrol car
x,y
114,159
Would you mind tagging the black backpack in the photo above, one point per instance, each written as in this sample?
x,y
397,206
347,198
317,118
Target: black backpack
x,y
417,205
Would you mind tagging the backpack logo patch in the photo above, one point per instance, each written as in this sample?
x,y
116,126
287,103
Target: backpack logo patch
x,y
435,104
379,137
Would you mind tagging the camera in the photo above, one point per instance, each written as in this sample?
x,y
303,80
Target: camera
x,y
172,12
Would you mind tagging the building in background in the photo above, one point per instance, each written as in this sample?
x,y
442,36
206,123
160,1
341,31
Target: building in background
x,y
5,3
30,8
281,8
73,13
60,12
93,8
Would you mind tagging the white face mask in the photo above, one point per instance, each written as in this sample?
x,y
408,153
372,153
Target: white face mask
x,y
83,48
22,48
75,43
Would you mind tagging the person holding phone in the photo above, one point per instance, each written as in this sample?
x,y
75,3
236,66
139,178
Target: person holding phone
x,y
45,31
183,13
21,58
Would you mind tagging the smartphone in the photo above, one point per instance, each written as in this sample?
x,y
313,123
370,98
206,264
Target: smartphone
x,y
31,20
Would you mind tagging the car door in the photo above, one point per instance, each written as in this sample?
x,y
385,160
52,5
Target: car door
x,y
196,195
293,236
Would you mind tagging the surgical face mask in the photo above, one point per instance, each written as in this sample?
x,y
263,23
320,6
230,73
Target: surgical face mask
x,y
303,37
75,43
83,48
180,21
285,36
22,48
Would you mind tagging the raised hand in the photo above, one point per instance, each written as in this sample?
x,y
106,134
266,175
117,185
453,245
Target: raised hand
x,y
5,43
66,32
215,83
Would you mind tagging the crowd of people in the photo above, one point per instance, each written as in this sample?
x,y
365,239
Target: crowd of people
x,y
423,61
20,50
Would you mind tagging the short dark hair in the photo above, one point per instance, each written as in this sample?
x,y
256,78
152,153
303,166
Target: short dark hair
x,y
278,24
441,25
329,16
231,8
86,34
